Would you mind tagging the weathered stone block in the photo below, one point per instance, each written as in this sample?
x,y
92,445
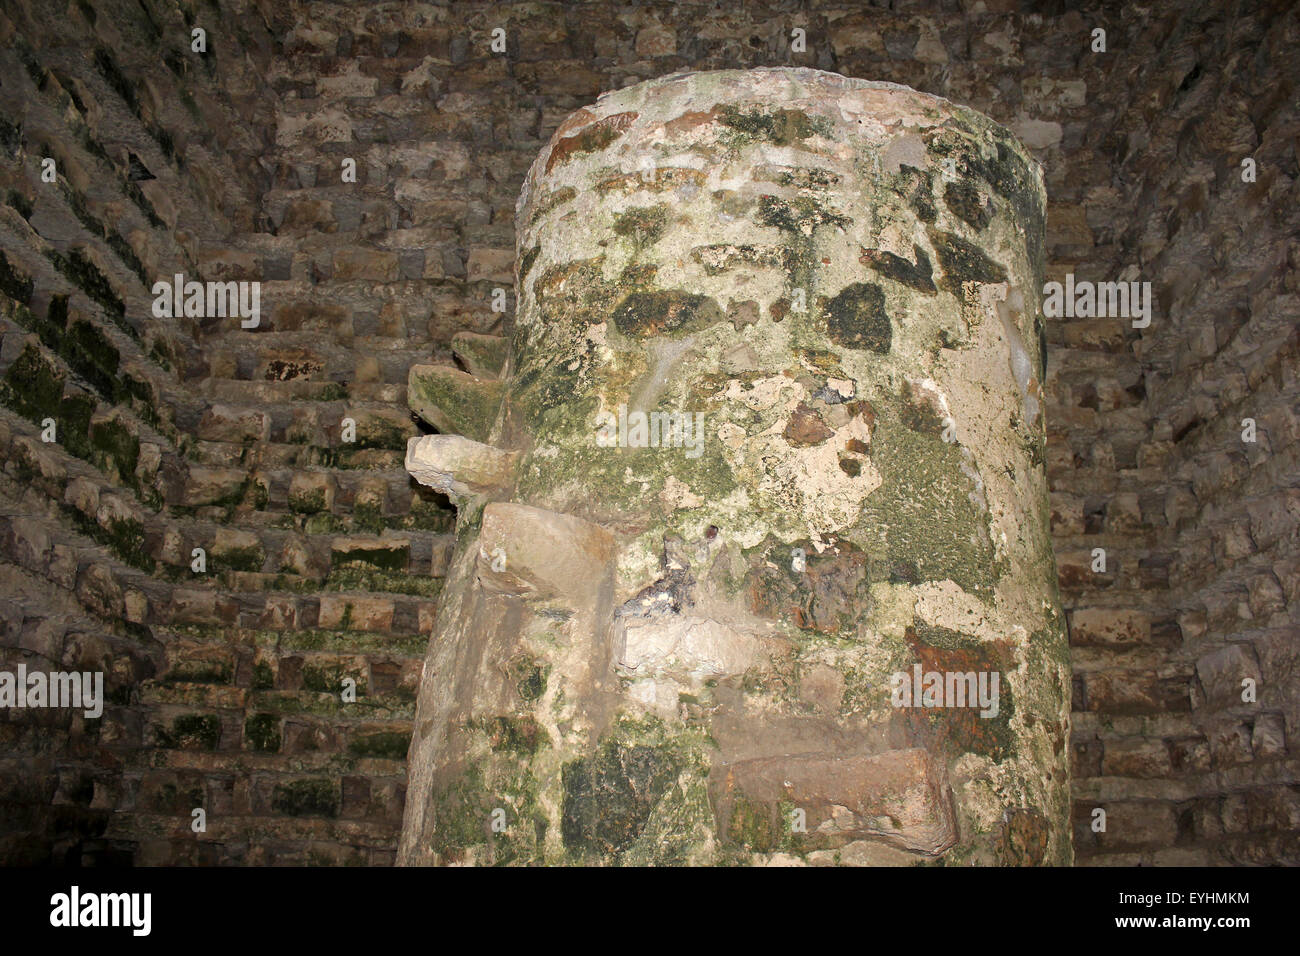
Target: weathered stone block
x,y
354,612
529,550
1110,627
227,423
900,796
458,467
311,492
1223,672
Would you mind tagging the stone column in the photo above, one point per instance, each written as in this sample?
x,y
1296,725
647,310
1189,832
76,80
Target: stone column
x,y
753,559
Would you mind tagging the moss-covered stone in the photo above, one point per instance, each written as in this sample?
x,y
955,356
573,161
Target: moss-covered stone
x,y
516,734
262,732
13,283
643,225
306,798
752,826
327,678
923,523
93,357
263,676
529,678
251,558
387,745
35,385
799,217
117,449
128,540
893,520
395,557
963,198
356,578
84,274
856,318
608,797
1009,175
191,732
308,502
784,127
962,261
665,312
453,402
917,275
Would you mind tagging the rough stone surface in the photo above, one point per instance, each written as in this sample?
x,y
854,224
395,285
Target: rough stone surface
x,y
806,512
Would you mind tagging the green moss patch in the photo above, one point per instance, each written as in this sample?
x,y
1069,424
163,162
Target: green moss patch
x,y
799,217
916,275
191,732
517,735
388,745
963,199
783,127
85,275
306,798
963,261
13,283
921,520
608,797
383,557
262,732
644,225
665,312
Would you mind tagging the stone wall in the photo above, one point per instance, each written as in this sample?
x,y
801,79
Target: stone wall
x,y
324,559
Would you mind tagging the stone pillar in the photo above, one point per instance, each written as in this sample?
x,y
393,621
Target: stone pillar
x,y
751,497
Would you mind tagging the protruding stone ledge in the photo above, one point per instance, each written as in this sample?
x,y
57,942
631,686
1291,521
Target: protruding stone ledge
x,y
453,402
460,468
483,356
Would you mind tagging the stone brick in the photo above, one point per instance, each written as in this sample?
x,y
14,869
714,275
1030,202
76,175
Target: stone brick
x,y
311,492
1109,628
1135,692
900,796
373,264
1268,738
355,613
206,486
1229,742
1222,672
237,550
226,423
1139,823
491,264
1136,758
